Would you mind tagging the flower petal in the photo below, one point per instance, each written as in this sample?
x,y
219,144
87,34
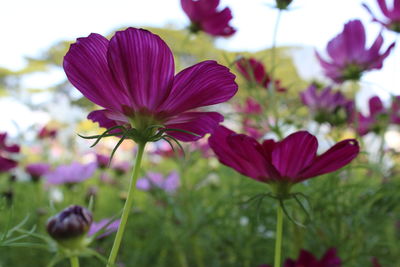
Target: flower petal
x,y
307,259
199,10
239,152
7,164
375,106
107,118
218,23
86,67
354,40
294,153
206,83
336,49
335,158
384,8
199,123
330,259
143,67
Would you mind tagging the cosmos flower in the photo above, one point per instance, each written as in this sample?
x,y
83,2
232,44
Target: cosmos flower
x,y
349,58
102,160
306,259
204,16
122,167
46,132
254,72
392,15
71,174
154,180
6,163
250,107
327,106
280,164
37,170
132,77
105,226
379,117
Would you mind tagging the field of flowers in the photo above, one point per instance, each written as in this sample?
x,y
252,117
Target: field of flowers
x,y
163,150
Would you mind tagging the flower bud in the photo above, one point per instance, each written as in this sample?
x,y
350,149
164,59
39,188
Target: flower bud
x,y
283,4
69,227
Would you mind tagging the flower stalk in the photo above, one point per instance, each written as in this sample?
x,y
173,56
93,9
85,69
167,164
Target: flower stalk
x,y
74,261
127,206
278,237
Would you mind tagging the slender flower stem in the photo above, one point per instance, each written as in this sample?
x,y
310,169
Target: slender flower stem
x,y
278,237
272,88
74,261
274,41
127,206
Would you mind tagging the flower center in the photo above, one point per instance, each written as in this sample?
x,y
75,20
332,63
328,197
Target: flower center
x,y
352,72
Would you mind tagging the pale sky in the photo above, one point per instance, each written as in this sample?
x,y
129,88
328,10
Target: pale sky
x,y
29,27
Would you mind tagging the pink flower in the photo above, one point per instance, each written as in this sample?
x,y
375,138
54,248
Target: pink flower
x,y
154,180
46,132
280,164
205,17
328,106
379,117
254,72
132,77
392,15
6,163
37,170
349,58
122,167
251,107
306,259
165,150
96,227
102,160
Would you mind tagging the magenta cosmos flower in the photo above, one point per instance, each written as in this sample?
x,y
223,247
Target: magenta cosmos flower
x,y
280,164
6,163
204,16
37,170
306,259
349,58
379,117
327,106
250,107
102,160
254,72
392,15
71,174
132,77
47,132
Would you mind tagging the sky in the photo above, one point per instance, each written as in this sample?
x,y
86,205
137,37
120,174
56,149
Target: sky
x,y
30,27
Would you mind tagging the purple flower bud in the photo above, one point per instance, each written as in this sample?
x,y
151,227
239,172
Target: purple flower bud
x,y
70,224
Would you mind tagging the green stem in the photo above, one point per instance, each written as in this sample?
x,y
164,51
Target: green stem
x,y
74,261
278,238
127,206
274,41
272,90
